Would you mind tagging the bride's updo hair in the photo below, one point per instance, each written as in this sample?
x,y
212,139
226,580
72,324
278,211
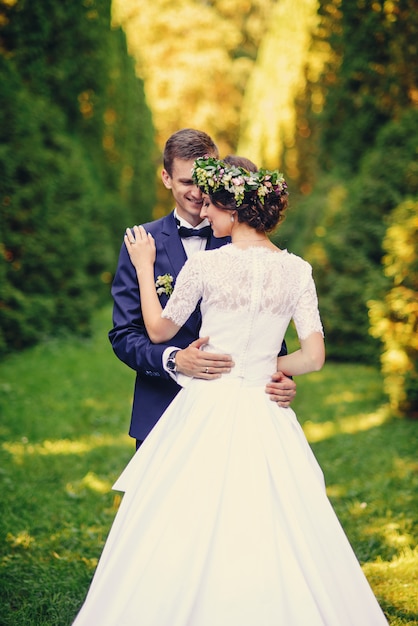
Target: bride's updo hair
x,y
239,161
261,211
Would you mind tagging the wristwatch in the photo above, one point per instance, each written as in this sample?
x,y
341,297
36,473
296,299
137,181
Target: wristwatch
x,y
171,361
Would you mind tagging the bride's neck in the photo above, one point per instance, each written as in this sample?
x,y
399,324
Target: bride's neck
x,y
248,236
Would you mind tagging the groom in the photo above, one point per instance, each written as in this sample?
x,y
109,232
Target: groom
x,y
162,369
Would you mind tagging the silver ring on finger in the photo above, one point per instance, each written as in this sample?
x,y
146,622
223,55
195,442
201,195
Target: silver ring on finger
x,y
207,370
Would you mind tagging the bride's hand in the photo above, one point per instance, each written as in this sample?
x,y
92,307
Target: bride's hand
x,y
140,246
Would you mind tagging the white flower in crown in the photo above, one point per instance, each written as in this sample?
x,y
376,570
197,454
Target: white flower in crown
x,y
164,284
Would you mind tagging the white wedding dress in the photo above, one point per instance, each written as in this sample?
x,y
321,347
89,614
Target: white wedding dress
x,y
225,520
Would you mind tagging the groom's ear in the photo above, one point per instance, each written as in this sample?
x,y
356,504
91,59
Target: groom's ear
x,y
166,178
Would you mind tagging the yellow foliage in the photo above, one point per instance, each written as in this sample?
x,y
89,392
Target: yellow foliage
x,y
317,253
230,67
395,320
22,540
186,52
268,115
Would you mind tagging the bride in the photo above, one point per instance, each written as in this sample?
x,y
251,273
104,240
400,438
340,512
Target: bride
x,y
225,520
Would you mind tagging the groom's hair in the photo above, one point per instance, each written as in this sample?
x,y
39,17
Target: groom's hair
x,y
187,144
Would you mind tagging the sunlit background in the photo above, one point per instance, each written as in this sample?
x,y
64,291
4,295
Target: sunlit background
x,y
326,91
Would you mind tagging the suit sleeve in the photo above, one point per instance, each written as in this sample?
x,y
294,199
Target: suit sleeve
x,y
128,337
283,349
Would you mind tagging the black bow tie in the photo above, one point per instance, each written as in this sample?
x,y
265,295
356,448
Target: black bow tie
x,y
184,232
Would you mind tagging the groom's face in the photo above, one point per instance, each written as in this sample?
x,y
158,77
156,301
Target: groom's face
x,y
187,195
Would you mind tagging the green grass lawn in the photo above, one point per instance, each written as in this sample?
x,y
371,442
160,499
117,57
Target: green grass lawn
x,y
65,408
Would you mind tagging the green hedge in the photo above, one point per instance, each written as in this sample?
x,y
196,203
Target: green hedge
x,y
340,229
353,247
51,257
395,318
77,163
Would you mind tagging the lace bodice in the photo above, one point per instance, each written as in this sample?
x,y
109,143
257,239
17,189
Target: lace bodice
x,y
248,298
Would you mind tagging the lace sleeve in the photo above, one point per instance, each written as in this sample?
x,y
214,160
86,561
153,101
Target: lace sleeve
x,y
306,318
187,292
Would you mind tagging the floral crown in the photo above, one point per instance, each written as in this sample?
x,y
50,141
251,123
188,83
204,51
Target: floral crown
x,y
212,175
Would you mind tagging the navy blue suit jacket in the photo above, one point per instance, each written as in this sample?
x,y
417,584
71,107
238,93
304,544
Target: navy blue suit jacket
x,y
154,388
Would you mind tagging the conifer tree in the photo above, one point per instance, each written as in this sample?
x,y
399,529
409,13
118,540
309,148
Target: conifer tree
x,y
76,147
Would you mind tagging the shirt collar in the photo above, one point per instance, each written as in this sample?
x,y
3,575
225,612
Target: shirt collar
x,y
187,225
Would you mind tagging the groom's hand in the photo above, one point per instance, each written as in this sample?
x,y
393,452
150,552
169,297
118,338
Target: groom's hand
x,y
281,389
194,362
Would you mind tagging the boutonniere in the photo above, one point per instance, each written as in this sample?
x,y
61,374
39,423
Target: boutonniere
x,y
164,284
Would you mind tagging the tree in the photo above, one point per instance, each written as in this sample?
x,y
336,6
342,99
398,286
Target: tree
x,y
356,142
347,247
370,77
394,319
268,115
76,147
195,57
50,262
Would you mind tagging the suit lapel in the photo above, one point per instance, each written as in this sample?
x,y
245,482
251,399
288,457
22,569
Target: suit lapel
x,y
172,243
174,248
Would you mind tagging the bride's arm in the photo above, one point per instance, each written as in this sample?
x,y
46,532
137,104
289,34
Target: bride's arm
x,y
142,251
310,357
